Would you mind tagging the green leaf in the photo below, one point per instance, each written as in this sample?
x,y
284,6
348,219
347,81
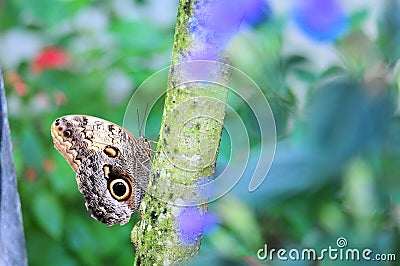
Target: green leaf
x,y
389,32
31,150
43,251
62,180
294,61
236,219
138,36
358,18
85,237
306,75
49,213
48,12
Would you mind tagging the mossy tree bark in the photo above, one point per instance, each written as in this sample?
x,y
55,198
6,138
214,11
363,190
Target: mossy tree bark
x,y
189,138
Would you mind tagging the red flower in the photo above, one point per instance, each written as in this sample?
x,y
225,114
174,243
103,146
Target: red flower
x,y
50,58
17,82
60,98
31,173
48,165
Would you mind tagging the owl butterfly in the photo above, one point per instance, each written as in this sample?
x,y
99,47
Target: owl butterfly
x,y
111,165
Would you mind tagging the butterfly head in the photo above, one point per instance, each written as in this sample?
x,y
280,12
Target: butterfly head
x,y
69,136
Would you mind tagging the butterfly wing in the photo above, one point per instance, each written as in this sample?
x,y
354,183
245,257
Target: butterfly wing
x,y
111,165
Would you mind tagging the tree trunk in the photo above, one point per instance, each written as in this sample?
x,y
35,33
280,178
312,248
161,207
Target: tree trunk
x,y
173,212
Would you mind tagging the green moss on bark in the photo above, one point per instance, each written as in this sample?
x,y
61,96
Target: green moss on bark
x,y
186,153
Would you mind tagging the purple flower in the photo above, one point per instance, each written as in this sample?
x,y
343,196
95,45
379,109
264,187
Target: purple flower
x,y
256,12
192,222
321,20
213,26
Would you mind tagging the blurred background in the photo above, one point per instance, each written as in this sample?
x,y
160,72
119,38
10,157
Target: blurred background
x,y
329,69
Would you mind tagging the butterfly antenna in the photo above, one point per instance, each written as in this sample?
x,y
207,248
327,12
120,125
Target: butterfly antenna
x,y
138,121
144,117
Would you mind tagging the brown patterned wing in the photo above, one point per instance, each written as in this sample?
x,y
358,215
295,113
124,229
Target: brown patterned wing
x,y
111,165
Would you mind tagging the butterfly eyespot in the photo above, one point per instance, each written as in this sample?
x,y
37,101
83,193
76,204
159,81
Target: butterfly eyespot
x,y
111,151
119,189
67,133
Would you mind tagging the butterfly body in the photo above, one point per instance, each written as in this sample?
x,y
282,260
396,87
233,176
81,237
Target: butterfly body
x,y
111,165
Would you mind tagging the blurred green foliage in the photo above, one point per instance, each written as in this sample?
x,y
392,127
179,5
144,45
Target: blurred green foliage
x,y
109,56
336,170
